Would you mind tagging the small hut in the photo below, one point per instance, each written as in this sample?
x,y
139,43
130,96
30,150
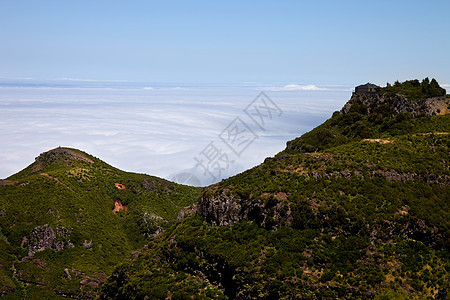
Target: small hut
x,y
367,88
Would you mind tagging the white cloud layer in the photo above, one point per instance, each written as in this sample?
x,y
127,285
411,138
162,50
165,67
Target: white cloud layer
x,y
159,131
296,87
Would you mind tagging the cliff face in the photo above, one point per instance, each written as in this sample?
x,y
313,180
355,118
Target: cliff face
x,y
227,208
367,103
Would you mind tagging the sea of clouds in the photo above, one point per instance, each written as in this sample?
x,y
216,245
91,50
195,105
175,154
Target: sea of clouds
x,y
179,132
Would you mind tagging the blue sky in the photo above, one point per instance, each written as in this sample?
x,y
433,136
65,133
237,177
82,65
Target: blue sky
x,y
318,42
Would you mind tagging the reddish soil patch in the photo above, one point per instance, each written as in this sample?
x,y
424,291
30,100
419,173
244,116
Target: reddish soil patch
x,y
118,206
120,186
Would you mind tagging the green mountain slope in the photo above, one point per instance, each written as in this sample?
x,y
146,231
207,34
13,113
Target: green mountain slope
x,y
59,235
356,208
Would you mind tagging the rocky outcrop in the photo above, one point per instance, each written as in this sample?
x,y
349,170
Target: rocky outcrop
x,y
407,227
227,208
44,237
389,175
88,244
151,225
187,211
153,185
223,209
399,104
62,153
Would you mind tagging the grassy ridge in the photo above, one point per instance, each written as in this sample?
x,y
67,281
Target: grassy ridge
x,y
356,208
71,190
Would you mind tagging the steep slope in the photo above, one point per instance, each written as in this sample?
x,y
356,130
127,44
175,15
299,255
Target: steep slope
x,y
356,208
69,218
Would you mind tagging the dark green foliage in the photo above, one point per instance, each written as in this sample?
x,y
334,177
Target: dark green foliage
x,y
415,90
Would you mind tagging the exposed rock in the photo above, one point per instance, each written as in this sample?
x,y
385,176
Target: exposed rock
x,y
227,208
60,152
151,224
41,238
407,227
152,185
66,272
44,237
61,242
88,244
187,211
93,282
399,103
389,175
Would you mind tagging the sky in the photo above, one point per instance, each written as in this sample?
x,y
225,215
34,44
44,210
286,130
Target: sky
x,y
154,86
315,42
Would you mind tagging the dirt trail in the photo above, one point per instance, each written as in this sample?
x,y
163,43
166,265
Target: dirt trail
x,y
381,141
6,182
55,179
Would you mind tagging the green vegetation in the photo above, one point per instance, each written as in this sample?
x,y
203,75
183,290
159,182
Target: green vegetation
x,y
356,208
414,89
373,118
74,194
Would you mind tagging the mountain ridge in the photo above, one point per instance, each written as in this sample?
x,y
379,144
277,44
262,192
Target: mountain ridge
x,y
60,224
355,208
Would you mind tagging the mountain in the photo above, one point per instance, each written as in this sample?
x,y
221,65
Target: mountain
x,y
69,218
355,208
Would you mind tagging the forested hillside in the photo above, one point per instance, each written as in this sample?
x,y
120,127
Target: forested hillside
x,y
355,208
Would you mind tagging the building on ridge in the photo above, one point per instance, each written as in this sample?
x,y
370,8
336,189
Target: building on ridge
x,y
367,88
